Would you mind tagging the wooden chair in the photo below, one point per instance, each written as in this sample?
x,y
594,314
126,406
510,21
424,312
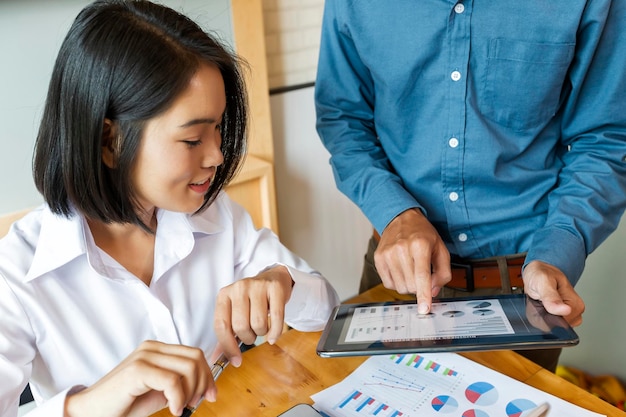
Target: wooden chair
x,y
6,220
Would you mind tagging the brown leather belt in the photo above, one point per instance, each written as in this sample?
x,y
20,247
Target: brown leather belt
x,y
503,272
499,272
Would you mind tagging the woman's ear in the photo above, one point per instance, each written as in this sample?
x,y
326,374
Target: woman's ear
x,y
109,144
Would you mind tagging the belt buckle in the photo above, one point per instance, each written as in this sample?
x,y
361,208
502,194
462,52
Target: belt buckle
x,y
469,273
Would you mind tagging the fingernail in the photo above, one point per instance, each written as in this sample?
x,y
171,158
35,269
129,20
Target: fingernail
x,y
211,397
236,361
422,308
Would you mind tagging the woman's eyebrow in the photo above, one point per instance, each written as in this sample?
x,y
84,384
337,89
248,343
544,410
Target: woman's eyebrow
x,y
197,122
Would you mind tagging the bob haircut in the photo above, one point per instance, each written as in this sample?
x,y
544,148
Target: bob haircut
x,y
126,61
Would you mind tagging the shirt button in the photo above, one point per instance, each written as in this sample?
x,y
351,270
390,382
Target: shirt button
x,y
456,75
453,142
462,237
459,8
453,196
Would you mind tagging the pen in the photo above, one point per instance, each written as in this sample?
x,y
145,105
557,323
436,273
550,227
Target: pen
x,y
219,365
541,411
216,369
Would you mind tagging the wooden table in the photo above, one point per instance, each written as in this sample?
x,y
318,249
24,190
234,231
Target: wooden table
x,y
275,377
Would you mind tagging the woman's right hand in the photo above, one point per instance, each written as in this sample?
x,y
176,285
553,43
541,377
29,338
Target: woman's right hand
x,y
156,375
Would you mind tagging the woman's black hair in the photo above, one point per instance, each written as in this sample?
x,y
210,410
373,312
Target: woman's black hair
x,y
125,61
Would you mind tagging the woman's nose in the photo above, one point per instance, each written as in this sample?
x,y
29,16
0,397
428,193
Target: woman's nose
x,y
213,152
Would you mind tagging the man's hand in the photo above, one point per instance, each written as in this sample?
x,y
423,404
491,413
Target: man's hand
x,y
549,285
252,307
154,376
412,258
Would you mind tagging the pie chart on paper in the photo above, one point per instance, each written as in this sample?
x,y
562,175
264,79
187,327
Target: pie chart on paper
x,y
519,407
444,404
474,413
481,393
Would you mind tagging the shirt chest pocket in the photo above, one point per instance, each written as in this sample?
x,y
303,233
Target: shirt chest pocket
x,y
524,81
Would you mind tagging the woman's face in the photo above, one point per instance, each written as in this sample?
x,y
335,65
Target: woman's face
x,y
180,149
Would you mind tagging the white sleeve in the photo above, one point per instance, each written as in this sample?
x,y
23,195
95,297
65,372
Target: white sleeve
x,y
55,406
312,300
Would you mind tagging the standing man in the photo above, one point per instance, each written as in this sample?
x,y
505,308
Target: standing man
x,y
489,134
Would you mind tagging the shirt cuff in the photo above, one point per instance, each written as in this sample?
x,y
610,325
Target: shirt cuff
x,y
55,406
311,303
561,249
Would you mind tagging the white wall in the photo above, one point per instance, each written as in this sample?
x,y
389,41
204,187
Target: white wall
x,y
315,220
602,349
31,33
322,226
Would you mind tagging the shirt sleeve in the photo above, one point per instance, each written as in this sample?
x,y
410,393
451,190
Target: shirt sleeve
x,y
312,298
300,313
16,352
589,200
54,407
344,103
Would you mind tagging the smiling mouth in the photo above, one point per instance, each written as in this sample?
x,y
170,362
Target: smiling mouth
x,y
201,187
201,183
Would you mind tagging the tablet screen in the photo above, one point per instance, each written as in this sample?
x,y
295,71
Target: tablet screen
x,y
470,323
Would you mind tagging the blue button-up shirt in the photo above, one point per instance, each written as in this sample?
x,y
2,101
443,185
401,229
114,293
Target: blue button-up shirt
x,y
504,121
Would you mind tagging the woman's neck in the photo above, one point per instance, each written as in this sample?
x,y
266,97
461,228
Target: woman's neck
x,y
129,244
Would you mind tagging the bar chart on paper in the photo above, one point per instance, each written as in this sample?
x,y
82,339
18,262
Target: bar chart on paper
x,y
435,385
363,404
400,385
417,361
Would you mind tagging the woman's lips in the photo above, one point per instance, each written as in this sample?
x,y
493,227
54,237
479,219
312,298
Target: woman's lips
x,y
201,188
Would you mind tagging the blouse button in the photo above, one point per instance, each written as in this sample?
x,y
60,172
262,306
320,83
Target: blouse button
x,y
459,8
456,75
453,142
462,237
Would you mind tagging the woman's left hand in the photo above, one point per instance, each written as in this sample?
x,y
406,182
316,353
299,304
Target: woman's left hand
x,y
252,307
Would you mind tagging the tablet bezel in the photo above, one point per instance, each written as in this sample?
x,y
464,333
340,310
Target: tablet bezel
x,y
561,333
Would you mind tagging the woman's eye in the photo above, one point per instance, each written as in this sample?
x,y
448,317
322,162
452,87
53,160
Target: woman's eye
x,y
218,127
192,143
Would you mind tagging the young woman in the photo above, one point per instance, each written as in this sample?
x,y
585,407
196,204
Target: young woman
x,y
116,291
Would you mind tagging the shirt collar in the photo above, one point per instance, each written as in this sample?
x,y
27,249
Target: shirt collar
x,y
176,236
63,239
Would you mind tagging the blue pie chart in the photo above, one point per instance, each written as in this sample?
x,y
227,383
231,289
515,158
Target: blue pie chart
x,y
518,408
481,393
444,404
474,413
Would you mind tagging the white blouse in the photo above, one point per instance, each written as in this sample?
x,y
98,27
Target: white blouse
x,y
69,313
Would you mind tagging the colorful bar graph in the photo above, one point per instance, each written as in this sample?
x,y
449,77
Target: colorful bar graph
x,y
368,401
449,372
355,395
416,360
434,366
367,405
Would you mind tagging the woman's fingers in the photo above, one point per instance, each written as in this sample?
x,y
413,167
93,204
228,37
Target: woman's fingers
x,y
154,375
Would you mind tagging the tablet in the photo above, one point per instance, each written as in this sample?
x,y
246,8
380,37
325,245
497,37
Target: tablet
x,y
512,321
